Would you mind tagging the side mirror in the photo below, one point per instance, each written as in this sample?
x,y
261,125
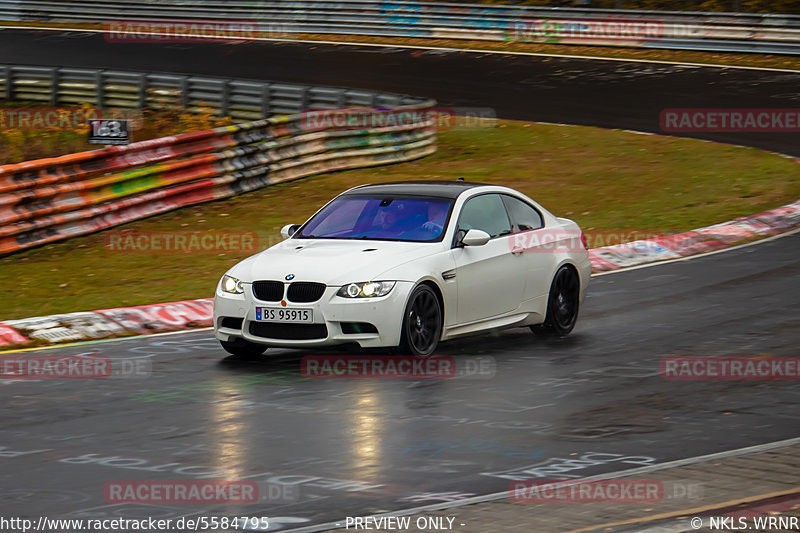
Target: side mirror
x,y
288,230
475,237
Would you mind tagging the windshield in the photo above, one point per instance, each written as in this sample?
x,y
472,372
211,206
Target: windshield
x,y
380,217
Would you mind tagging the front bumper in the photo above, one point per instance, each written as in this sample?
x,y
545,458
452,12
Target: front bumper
x,y
333,317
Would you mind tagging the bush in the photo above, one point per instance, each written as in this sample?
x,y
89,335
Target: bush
x,y
17,145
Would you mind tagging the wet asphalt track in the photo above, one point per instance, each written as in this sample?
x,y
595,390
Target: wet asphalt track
x,y
408,443
596,396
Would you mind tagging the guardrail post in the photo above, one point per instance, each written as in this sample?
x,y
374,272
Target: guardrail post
x,y
265,111
100,88
304,99
225,98
184,96
143,79
55,78
8,74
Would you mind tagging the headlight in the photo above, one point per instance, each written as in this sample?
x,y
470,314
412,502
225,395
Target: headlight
x,y
366,289
231,285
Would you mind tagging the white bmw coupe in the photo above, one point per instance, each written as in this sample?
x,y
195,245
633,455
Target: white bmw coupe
x,y
407,265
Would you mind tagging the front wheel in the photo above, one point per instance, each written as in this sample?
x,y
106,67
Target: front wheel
x,y
422,322
562,304
243,348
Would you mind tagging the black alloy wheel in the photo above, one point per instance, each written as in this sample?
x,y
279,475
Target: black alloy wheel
x,y
562,304
422,322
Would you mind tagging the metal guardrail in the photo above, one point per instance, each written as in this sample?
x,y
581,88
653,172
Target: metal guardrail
x,y
767,33
304,130
242,100
51,199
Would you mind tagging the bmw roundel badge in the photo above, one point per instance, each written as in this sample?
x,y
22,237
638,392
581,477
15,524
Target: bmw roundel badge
x,y
289,277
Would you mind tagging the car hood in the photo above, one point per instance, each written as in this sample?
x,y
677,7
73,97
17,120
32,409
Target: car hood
x,y
330,261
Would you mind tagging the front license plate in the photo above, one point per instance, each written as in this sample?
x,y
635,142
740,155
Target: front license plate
x,y
279,314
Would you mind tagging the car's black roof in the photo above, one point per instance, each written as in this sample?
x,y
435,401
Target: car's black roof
x,y
446,189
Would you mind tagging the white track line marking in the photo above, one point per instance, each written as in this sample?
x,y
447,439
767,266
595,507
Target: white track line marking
x,y
421,47
613,475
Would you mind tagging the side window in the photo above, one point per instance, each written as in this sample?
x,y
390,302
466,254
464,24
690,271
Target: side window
x,y
487,213
524,216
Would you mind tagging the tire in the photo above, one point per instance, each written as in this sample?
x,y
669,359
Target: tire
x,y
562,304
422,322
243,348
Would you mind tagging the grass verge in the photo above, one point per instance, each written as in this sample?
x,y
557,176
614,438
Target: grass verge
x,y
606,180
